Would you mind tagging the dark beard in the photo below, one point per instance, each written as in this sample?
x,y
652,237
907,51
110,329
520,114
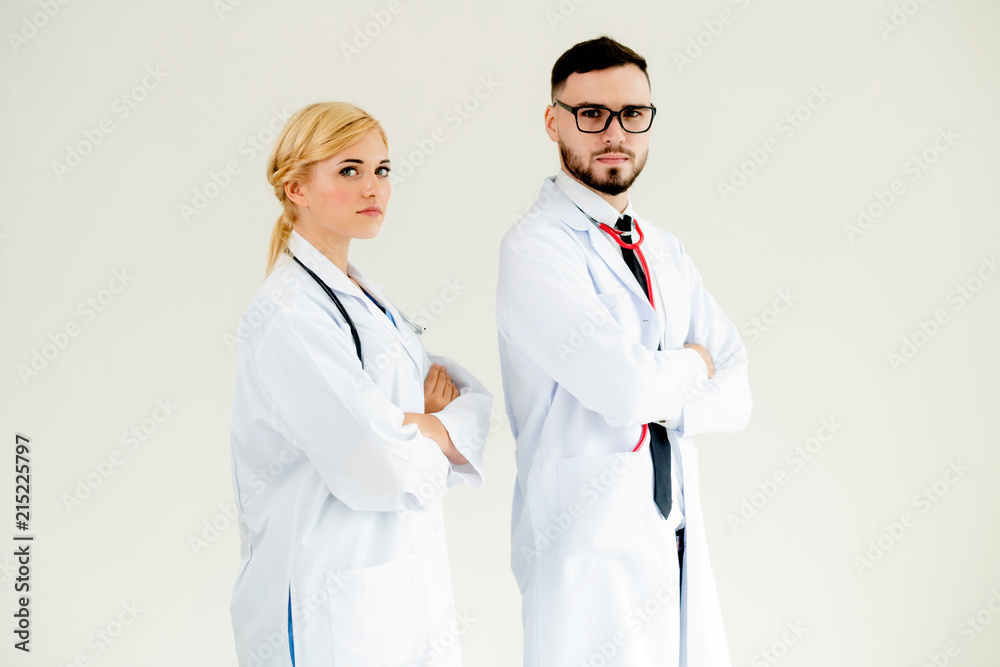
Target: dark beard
x,y
613,185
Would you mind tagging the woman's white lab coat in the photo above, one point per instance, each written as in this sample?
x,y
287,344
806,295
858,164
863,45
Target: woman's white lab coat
x,y
339,503
595,561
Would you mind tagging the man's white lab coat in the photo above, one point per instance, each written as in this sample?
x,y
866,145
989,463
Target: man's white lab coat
x,y
595,561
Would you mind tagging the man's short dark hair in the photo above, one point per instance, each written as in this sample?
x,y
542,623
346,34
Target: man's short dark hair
x,y
592,55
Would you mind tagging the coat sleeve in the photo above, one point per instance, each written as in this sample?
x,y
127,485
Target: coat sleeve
x,y
467,420
547,308
722,404
351,432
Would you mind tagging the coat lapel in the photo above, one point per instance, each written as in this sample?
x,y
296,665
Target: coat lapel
x,y
347,290
563,208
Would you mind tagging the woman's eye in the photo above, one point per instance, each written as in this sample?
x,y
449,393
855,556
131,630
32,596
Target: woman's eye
x,y
348,171
382,171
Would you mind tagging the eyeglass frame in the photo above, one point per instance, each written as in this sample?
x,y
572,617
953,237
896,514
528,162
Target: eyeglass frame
x,y
611,116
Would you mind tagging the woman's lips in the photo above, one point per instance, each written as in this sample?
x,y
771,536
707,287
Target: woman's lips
x,y
373,211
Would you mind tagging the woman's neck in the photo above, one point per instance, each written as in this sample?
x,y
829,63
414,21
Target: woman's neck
x,y
333,246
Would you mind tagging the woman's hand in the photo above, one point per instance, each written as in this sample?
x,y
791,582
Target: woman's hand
x,y
431,427
439,390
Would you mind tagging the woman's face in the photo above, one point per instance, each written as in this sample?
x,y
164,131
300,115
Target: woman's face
x,y
347,194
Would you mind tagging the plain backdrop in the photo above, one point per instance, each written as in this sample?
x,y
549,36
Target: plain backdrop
x,y
830,167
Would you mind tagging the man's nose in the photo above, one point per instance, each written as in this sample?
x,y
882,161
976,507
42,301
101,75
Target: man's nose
x,y
615,133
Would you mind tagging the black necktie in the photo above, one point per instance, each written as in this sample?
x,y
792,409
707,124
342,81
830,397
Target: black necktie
x,y
659,445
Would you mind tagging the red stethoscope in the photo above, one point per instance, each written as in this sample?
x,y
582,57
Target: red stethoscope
x,y
617,236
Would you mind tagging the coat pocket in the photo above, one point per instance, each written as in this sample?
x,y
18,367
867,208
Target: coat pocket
x,y
605,502
379,614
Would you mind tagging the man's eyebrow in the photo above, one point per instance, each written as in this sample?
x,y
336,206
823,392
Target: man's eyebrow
x,y
604,106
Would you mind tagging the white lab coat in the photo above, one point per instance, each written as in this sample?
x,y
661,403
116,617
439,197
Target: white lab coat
x,y
339,503
595,561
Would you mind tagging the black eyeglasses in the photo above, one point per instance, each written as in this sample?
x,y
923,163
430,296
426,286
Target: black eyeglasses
x,y
594,119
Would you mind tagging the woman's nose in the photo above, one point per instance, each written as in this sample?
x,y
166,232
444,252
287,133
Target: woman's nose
x,y
371,186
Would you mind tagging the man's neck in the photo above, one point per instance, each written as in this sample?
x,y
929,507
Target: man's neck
x,y
619,201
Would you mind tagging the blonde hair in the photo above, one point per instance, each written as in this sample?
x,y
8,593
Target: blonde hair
x,y
313,133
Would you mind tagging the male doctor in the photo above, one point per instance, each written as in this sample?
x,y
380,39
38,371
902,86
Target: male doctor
x,y
613,357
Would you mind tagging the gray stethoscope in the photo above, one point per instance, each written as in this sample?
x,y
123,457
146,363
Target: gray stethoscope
x,y
343,311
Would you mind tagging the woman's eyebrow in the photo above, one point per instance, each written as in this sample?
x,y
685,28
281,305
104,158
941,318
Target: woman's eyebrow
x,y
357,161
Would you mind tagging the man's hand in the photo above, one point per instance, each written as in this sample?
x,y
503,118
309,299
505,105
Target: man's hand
x,y
439,390
704,355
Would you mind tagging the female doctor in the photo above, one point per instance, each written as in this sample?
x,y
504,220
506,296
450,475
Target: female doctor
x,y
345,435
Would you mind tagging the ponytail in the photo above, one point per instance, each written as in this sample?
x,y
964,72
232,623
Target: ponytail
x,y
279,241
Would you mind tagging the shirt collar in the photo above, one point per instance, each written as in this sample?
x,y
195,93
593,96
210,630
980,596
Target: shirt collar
x,y
591,203
329,272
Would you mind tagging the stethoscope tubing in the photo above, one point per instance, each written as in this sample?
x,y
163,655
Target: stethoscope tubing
x,y
343,311
617,236
340,307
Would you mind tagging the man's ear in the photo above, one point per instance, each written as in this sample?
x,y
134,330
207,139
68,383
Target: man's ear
x,y
550,123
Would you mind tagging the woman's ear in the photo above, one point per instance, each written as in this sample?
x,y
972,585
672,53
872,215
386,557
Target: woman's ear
x,y
294,193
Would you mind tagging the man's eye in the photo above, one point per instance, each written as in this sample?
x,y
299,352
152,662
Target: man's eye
x,y
348,171
590,112
632,112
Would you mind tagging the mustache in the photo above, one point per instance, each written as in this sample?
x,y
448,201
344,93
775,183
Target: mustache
x,y
611,149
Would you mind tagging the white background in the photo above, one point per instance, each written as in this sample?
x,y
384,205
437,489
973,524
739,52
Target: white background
x,y
169,334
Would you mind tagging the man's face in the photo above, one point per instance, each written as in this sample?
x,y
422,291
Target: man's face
x,y
608,161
